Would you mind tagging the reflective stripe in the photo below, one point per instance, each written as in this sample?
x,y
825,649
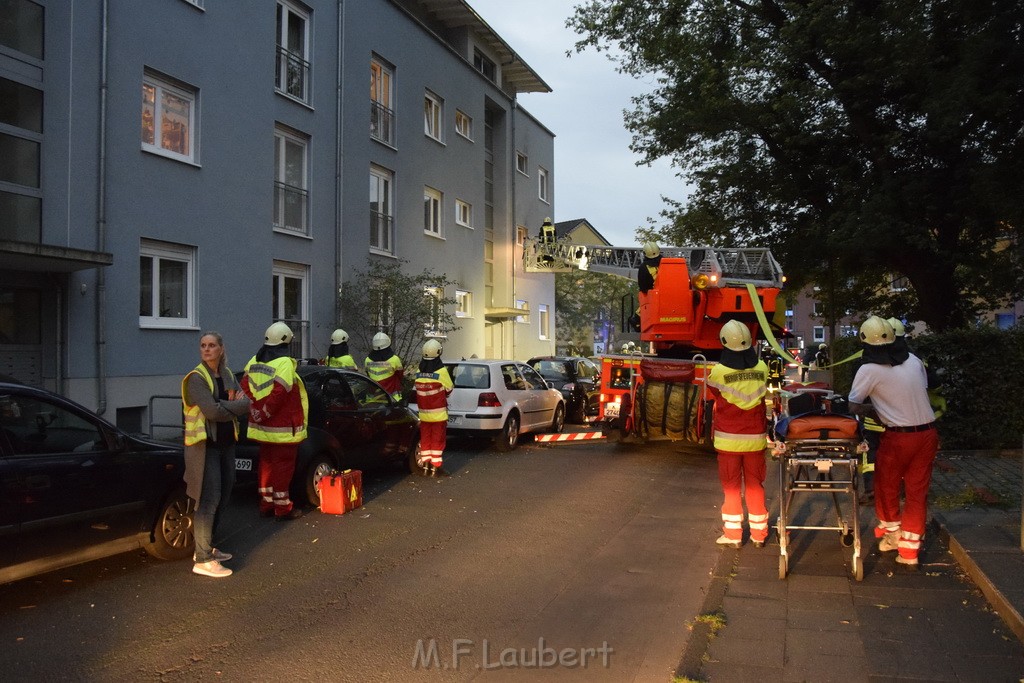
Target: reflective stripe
x,y
740,443
758,522
884,528
429,392
733,525
732,518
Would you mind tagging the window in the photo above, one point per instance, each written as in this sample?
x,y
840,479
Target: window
x,y
434,296
463,125
433,115
432,211
542,313
380,304
166,289
37,427
542,184
382,226
522,163
291,182
21,120
484,66
168,118
899,284
524,306
293,68
382,117
819,308
463,304
22,27
818,333
464,213
289,302
521,234
20,316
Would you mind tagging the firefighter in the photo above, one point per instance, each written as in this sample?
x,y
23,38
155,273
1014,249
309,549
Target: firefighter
x,y
821,358
776,367
278,419
433,385
896,382
337,354
547,232
647,273
384,367
738,384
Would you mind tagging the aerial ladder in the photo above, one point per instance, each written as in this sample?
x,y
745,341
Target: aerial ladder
x,y
697,290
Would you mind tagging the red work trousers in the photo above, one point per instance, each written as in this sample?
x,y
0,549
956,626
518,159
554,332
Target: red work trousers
x,y
742,476
432,442
277,465
904,458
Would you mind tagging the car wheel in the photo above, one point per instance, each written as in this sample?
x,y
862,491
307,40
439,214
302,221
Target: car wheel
x,y
319,466
579,412
509,436
412,463
173,535
558,424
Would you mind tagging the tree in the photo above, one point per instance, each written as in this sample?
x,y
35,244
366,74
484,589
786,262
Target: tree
x,y
408,308
582,297
864,141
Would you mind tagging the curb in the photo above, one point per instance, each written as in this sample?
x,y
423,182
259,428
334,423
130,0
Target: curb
x,y
1009,614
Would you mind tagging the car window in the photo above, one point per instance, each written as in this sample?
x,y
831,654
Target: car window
x,y
337,394
586,370
620,376
367,394
531,378
37,427
469,376
513,382
551,369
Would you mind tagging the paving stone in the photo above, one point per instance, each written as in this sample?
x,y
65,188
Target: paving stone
x,y
744,651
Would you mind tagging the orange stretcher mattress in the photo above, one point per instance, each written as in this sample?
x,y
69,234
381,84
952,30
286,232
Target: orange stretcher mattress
x,y
821,427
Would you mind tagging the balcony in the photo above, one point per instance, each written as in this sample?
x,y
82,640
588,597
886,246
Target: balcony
x,y
292,75
382,123
291,210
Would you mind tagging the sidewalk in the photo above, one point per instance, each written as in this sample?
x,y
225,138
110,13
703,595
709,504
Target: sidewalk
x,y
819,624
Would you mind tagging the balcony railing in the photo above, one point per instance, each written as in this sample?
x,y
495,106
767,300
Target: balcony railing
x,y
381,226
299,347
292,74
382,123
291,207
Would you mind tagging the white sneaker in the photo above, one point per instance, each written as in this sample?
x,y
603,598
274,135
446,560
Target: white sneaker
x,y
217,555
730,542
212,568
890,541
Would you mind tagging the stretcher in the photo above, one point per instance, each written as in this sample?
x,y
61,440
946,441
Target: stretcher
x,y
819,451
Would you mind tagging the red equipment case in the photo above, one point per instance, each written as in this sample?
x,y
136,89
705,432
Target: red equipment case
x,y
341,492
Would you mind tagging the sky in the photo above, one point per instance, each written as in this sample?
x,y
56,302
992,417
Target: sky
x,y
595,174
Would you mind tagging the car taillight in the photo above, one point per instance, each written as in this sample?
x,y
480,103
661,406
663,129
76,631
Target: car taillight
x,y
488,399
615,398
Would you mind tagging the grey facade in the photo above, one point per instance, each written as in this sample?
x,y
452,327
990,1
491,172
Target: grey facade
x,y
204,165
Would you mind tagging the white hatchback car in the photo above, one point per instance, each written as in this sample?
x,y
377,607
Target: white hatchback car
x,y
503,398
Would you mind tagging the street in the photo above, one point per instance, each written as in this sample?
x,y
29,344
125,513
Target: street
x,y
508,568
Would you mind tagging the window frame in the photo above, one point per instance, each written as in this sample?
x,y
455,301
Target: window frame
x,y
285,9
818,333
523,305
382,94
464,213
157,251
383,178
544,322
432,328
433,212
282,137
543,191
463,303
182,91
433,116
285,270
485,65
523,164
466,128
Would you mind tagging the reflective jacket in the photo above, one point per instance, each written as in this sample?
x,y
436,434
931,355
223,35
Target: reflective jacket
x,y
195,422
387,373
280,408
740,424
432,389
345,361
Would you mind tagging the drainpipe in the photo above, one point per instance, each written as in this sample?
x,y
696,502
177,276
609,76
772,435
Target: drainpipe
x,y
515,224
101,228
339,167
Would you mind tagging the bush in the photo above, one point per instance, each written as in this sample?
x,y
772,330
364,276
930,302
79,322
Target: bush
x,y
981,372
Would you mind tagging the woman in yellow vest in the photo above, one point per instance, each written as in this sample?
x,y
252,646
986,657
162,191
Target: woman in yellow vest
x,y
212,402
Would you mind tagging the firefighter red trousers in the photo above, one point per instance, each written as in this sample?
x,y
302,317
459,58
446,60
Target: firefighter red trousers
x,y
277,465
742,476
432,442
904,458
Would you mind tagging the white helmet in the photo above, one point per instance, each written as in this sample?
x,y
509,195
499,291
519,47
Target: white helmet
x,y
276,334
339,336
823,346
897,327
876,332
735,336
381,341
432,349
652,250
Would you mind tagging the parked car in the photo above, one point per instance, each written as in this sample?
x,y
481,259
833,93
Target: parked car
x,y
76,488
502,398
353,424
579,380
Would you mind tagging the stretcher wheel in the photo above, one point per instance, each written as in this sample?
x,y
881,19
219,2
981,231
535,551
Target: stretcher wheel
x,y
846,539
783,566
858,569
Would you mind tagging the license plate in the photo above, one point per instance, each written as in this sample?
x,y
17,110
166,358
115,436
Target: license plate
x,y
611,409
243,464
454,419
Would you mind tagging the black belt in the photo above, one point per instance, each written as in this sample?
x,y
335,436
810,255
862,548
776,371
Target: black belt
x,y
915,428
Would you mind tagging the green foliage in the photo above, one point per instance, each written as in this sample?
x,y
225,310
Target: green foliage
x,y
859,141
582,297
383,298
981,371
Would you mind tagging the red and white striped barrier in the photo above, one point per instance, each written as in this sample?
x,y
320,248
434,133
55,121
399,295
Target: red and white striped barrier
x,y
574,436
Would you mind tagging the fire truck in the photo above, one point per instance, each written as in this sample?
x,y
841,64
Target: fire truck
x,y
697,290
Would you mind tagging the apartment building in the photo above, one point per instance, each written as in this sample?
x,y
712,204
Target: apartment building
x,y
174,166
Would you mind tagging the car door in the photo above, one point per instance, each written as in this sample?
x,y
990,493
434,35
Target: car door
x,y
9,510
75,485
588,376
541,401
374,421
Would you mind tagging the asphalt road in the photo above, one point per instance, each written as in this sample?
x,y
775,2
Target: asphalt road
x,y
578,561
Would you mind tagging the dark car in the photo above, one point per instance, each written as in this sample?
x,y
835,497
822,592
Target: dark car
x,y
579,380
75,488
353,424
